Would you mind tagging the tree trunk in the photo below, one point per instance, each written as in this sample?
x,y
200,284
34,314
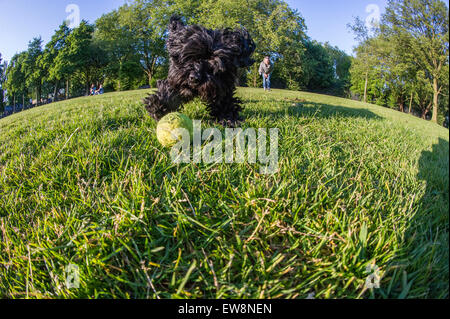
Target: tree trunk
x,y
426,111
14,103
435,99
149,67
410,103
365,87
39,92
150,78
55,93
67,89
88,84
119,80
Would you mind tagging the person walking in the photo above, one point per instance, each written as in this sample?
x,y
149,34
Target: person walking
x,y
265,70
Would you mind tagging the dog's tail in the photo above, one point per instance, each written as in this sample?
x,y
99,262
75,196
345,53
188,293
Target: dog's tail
x,y
175,23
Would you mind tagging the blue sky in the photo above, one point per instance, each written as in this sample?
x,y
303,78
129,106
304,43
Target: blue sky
x,y
21,20
327,20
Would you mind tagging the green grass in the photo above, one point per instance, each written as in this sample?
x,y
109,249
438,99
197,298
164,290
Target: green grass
x,y
85,182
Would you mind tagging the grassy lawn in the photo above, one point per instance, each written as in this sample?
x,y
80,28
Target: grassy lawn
x,y
85,182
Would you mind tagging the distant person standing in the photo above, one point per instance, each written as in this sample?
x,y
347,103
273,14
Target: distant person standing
x,y
265,70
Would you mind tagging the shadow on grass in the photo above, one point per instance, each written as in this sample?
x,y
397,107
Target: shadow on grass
x,y
422,264
433,219
310,110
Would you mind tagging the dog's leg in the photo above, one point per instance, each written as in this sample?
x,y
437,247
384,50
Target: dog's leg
x,y
164,101
227,110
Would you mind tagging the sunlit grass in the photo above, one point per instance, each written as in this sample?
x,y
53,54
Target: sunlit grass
x,y
85,182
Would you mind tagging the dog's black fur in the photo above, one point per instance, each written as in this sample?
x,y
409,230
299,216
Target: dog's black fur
x,y
203,63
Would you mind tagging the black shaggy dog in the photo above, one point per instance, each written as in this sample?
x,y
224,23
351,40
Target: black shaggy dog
x,y
203,63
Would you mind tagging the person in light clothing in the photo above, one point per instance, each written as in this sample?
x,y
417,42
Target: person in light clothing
x,y
265,70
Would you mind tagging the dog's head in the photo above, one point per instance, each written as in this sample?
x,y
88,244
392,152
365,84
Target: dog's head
x,y
202,54
175,24
247,47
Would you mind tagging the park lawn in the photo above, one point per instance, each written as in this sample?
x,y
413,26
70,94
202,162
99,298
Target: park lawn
x,y
85,182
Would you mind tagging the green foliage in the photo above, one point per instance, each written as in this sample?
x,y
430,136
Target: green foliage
x,y
146,23
84,55
33,74
2,83
124,70
419,29
56,68
319,65
341,64
15,77
405,63
366,73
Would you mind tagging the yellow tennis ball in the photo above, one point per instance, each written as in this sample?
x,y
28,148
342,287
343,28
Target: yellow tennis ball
x,y
167,130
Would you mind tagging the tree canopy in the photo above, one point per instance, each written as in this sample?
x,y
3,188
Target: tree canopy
x,y
2,81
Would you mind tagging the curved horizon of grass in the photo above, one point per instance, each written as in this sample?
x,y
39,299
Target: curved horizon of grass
x,y
359,186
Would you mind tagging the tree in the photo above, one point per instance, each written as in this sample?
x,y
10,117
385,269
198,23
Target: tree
x,y
33,73
341,63
397,74
123,62
15,78
3,67
319,67
290,71
145,22
365,55
420,29
54,72
81,57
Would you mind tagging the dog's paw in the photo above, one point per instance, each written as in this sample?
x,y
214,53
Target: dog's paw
x,y
154,107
